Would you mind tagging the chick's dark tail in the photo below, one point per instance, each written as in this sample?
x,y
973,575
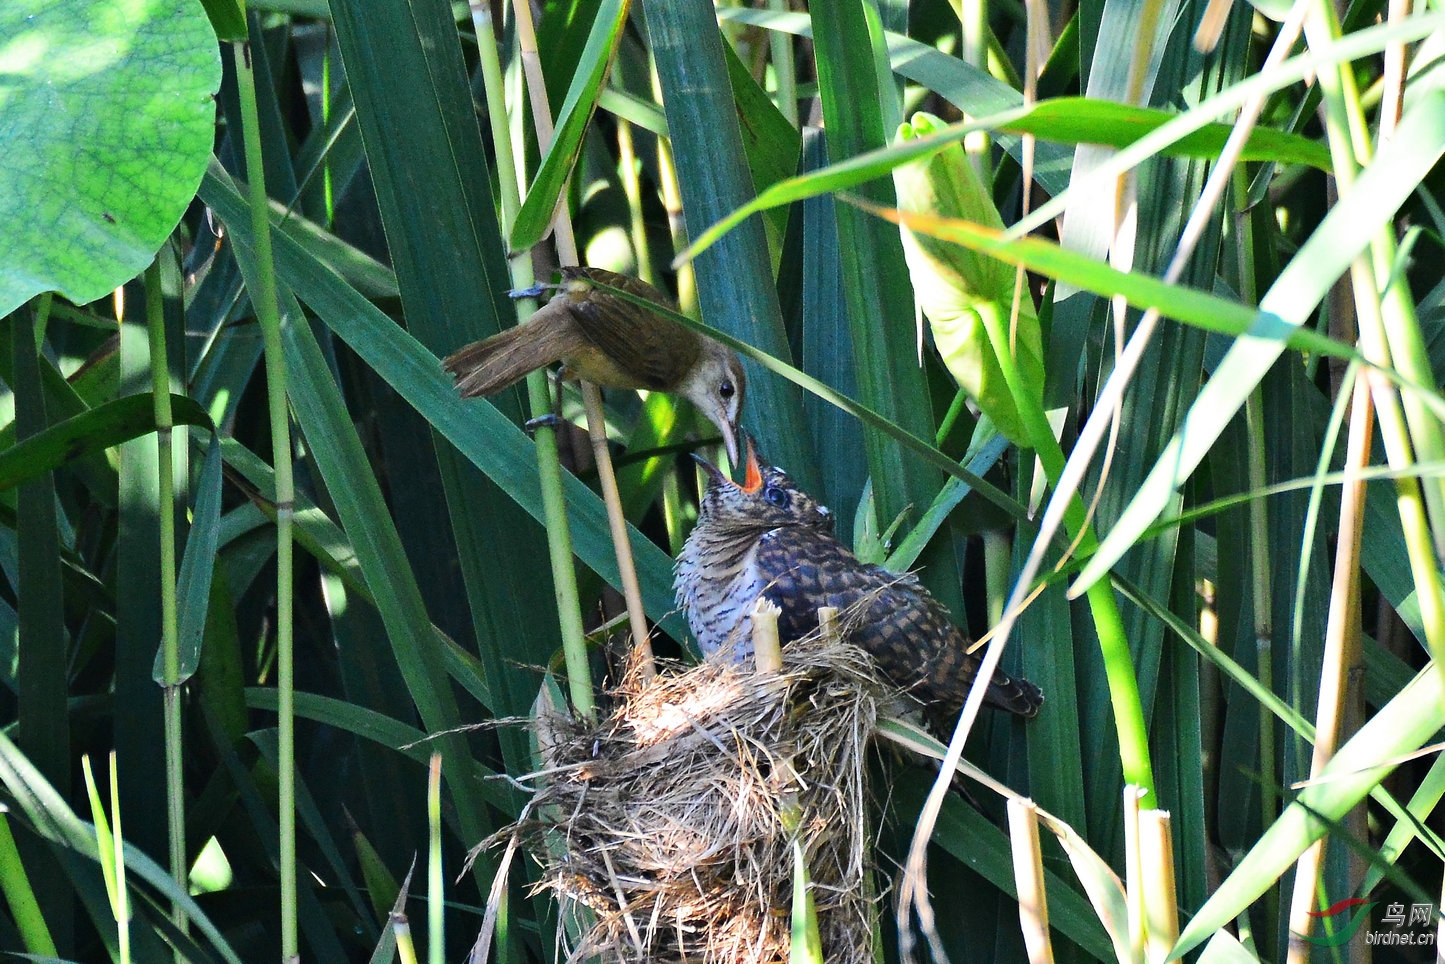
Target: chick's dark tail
x,y
1015,695
951,677
948,673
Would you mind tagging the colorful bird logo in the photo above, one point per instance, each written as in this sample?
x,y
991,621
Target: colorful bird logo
x,y
1343,935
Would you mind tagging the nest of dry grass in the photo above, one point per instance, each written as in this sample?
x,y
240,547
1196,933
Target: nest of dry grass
x,y
667,829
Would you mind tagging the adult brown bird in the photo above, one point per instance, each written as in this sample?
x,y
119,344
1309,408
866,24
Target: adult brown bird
x,y
613,343
767,537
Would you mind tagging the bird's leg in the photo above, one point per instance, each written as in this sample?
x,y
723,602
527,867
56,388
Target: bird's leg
x,y
552,419
534,291
564,375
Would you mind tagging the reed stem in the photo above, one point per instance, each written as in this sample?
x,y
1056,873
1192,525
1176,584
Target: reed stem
x,y
268,315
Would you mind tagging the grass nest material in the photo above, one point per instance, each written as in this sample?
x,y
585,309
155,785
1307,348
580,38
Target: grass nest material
x,y
667,829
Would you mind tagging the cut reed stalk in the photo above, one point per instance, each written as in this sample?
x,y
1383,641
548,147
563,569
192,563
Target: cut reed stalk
x,y
1028,862
767,649
1156,866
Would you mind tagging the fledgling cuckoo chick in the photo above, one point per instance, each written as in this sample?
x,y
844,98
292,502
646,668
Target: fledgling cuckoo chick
x,y
767,537
613,343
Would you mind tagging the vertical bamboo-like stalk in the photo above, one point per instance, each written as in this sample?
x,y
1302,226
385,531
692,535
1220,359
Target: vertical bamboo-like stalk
x,y
627,169
686,297
401,928
1103,607
1389,336
973,24
1211,714
1156,867
626,567
549,469
1135,893
1392,80
591,395
268,314
686,294
767,649
122,894
110,849
1260,582
435,893
1028,861
805,944
1211,25
672,204
170,632
782,57
997,561
1342,651
828,622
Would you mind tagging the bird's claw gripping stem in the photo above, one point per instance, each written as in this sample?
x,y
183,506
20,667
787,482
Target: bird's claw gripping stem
x,y
533,291
550,420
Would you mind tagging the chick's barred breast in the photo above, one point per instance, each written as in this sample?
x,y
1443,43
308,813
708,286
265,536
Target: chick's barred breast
x,y
896,621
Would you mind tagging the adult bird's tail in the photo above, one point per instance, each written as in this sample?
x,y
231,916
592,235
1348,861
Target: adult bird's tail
x,y
486,367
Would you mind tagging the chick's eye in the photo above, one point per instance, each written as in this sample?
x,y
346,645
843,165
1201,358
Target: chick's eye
x,y
726,390
775,496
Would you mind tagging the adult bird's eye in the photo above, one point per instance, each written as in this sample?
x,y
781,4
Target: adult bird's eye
x,y
726,389
775,496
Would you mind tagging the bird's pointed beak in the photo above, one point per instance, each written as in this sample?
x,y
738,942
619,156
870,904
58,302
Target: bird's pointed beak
x,y
730,440
752,476
714,473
